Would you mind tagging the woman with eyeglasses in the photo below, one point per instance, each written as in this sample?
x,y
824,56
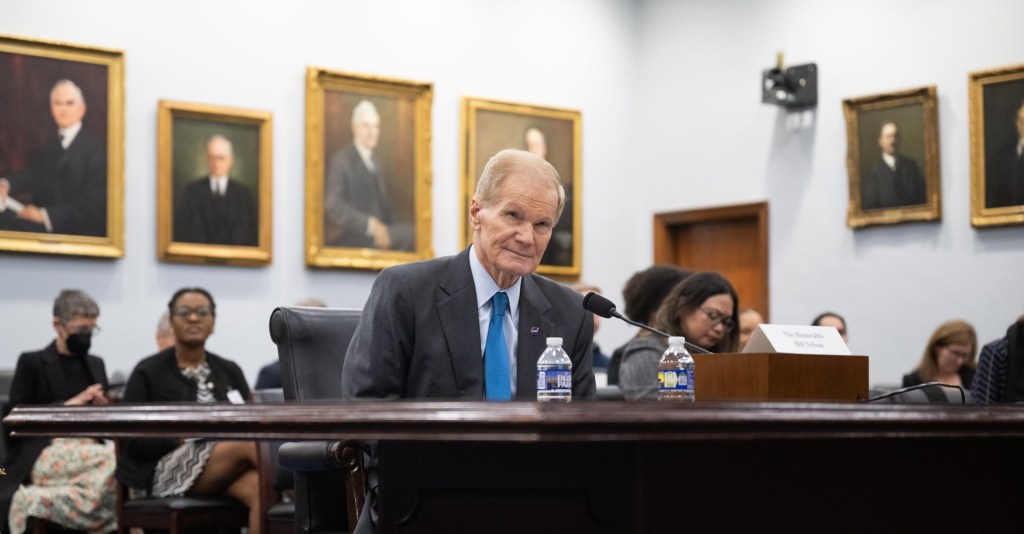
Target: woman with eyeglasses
x,y
703,308
187,372
948,357
65,481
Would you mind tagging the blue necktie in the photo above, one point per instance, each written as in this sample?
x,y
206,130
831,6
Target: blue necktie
x,y
496,352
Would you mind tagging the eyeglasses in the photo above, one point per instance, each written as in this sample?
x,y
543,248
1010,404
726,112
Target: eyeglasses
x,y
185,312
82,329
717,318
958,354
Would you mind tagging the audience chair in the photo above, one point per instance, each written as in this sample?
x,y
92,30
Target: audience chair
x,y
311,345
180,515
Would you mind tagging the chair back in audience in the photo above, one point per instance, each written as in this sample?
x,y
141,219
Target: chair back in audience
x,y
925,395
311,345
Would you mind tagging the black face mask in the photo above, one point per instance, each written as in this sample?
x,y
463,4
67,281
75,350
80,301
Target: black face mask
x,y
79,344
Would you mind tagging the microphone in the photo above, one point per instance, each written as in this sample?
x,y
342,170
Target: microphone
x,y
603,307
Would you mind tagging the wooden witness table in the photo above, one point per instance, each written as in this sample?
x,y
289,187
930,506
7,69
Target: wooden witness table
x,y
634,467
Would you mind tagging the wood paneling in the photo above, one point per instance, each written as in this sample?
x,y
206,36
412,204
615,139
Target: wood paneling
x,y
729,240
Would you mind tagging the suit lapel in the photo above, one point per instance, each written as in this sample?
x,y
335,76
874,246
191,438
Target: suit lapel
x,y
457,312
53,374
534,328
97,373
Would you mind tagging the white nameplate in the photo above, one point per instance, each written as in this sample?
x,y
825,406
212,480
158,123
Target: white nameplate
x,y
797,339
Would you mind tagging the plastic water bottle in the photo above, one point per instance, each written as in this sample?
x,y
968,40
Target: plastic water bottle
x,y
554,373
675,372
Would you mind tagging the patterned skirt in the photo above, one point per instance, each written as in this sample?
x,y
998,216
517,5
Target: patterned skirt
x,y
72,485
178,469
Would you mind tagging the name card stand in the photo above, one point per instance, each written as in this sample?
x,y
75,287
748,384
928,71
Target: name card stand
x,y
779,376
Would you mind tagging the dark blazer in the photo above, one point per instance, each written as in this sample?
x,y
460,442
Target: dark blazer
x,y
71,184
419,336
889,188
353,194
1004,184
38,379
157,379
201,217
270,376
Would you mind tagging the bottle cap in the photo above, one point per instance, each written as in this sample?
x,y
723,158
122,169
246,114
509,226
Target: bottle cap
x,y
676,340
555,341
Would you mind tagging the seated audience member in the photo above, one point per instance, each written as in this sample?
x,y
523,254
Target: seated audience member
x,y
999,377
832,319
948,357
270,374
703,308
601,360
186,372
164,332
750,319
642,295
66,481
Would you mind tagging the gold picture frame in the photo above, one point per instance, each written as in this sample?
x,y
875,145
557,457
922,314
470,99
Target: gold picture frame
x,y
368,170
997,126
489,126
64,167
195,223
897,189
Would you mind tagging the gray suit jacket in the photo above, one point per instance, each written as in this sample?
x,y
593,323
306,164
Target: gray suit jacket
x,y
419,336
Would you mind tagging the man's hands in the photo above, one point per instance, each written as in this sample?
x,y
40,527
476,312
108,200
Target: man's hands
x,y
379,232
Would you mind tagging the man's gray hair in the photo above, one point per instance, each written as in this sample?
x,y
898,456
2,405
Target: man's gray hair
x,y
72,85
363,108
219,137
511,161
73,303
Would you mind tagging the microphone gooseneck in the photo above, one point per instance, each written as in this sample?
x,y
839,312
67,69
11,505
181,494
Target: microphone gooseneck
x,y
603,307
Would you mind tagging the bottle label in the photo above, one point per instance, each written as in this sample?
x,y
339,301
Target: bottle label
x,y
554,379
675,380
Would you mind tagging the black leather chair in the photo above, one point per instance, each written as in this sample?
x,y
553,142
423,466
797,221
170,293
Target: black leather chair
x,y
180,515
311,345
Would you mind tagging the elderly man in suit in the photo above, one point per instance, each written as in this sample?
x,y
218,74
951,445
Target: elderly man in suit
x,y
1005,186
63,190
217,209
895,180
424,326
357,204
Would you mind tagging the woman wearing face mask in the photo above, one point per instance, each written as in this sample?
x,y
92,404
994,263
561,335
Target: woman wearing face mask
x,y
187,372
67,481
703,308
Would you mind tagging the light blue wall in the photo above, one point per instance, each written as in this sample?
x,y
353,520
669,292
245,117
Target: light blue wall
x,y
574,54
707,140
672,120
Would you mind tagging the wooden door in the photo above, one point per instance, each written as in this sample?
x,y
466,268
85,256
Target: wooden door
x,y
730,240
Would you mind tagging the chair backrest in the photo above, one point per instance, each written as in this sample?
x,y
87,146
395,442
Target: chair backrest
x,y
926,395
311,345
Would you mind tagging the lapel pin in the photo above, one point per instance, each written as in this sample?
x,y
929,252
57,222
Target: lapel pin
x,y
534,330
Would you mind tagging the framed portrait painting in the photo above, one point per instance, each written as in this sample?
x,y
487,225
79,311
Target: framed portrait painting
x,y
489,126
61,148
997,146
893,158
214,192
368,174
